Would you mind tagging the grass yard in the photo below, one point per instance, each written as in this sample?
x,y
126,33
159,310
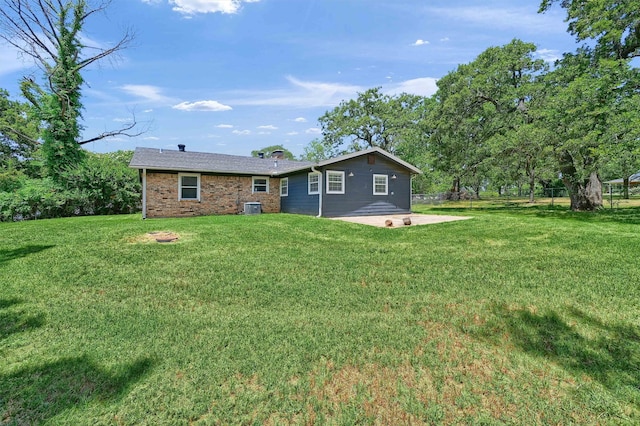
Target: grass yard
x,y
521,315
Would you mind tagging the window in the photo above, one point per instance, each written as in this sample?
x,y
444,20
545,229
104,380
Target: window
x,y
380,184
188,187
314,183
260,184
335,182
284,187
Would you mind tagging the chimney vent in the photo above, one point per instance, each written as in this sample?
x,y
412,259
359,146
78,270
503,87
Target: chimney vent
x,y
181,147
277,153
261,155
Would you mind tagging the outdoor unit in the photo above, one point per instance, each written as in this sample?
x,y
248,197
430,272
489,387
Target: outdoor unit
x,y
252,208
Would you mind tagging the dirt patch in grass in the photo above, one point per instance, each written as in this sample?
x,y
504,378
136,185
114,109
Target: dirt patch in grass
x,y
155,237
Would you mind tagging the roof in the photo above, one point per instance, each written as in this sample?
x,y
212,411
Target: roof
x,y
633,180
181,161
187,161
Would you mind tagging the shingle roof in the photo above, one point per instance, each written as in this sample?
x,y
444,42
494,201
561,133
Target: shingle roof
x,y
163,159
187,161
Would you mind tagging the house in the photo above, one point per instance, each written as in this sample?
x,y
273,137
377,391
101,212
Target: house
x,y
183,183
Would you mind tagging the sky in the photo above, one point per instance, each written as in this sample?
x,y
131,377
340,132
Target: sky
x,y
234,76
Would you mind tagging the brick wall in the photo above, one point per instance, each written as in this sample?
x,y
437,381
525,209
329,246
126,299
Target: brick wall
x,y
218,195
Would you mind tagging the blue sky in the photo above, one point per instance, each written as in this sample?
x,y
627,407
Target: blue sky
x,y
232,76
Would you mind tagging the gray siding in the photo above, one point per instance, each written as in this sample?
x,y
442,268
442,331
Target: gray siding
x,y
358,199
299,201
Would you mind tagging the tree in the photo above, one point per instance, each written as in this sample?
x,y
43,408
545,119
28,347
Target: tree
x,y
317,151
484,122
588,98
49,31
614,24
372,120
268,152
18,131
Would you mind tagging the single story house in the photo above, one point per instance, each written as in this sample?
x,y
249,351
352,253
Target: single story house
x,y
178,183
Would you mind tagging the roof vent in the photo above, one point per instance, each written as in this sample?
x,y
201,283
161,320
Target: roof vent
x,y
181,147
261,155
277,153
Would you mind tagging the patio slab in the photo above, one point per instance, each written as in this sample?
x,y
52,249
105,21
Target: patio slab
x,y
398,220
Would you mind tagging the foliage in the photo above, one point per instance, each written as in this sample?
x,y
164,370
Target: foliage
x,y
615,25
50,33
476,326
103,184
483,122
599,92
373,119
19,131
268,152
317,150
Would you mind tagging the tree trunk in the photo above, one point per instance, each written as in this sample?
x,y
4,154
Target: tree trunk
x,y
585,195
625,188
532,183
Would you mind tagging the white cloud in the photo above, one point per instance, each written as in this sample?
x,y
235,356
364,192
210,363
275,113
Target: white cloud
x,y
548,55
268,127
225,126
444,39
242,132
516,17
122,120
420,42
292,133
300,120
425,86
10,60
300,94
264,133
151,138
147,111
313,131
202,106
146,92
192,7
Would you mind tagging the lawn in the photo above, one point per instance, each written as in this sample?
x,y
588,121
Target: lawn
x,y
521,315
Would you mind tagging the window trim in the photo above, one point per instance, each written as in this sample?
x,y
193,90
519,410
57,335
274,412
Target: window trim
x,y
342,181
284,181
180,186
386,184
317,175
253,184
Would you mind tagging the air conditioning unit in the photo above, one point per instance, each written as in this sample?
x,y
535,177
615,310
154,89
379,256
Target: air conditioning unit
x,y
252,208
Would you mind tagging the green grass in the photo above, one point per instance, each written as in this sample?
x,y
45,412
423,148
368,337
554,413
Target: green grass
x,y
522,315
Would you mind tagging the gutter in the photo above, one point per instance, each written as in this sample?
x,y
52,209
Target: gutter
x,y
144,193
313,169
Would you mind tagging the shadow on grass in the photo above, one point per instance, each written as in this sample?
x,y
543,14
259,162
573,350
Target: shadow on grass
x,y
15,321
630,215
37,394
608,353
7,255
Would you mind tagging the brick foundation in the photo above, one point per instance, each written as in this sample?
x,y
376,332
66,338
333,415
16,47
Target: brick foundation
x,y
218,195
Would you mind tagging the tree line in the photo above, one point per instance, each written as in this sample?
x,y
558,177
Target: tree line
x,y
508,117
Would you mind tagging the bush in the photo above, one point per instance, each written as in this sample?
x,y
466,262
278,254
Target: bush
x,y
36,199
102,184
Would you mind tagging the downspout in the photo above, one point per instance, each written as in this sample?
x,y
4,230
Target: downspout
x,y
144,193
313,169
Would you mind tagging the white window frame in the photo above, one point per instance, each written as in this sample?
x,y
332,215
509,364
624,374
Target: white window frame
x,y
317,182
335,173
284,187
180,176
386,185
253,184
